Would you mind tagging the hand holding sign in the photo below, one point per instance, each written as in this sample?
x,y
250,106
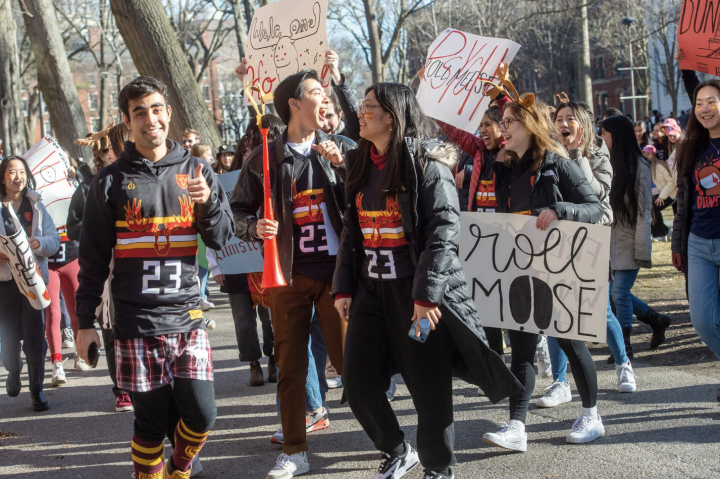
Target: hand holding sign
x,y
198,188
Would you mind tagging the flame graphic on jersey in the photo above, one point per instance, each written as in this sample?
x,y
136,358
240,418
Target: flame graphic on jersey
x,y
135,222
377,219
309,199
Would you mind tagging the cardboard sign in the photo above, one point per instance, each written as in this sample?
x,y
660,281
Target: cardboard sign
x,y
237,256
699,36
451,90
50,166
286,37
23,266
552,282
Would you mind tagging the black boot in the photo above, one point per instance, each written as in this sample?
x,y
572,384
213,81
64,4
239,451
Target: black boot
x,y
12,383
658,323
39,402
626,338
256,374
272,369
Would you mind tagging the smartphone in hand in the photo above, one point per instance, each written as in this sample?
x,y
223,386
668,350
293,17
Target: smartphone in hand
x,y
424,330
93,354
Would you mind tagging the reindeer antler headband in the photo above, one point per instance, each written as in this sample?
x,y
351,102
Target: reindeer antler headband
x,y
526,100
263,98
562,98
95,140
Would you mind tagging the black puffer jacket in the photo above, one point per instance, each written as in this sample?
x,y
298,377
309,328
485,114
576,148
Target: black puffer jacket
x,y
247,199
77,207
431,223
559,185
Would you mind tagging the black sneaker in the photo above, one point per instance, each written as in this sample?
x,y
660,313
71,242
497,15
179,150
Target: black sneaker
x,y
438,475
395,467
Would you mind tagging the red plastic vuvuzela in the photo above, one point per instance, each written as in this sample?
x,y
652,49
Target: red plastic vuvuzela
x,y
272,274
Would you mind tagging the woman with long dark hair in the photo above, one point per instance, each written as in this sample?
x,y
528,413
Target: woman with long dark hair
x,y
544,183
696,231
19,321
631,245
398,281
641,134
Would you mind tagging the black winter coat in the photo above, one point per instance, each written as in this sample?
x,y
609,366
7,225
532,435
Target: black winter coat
x,y
431,223
77,207
559,185
247,199
465,164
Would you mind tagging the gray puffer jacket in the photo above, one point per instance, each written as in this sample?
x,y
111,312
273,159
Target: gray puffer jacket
x,y
598,171
631,246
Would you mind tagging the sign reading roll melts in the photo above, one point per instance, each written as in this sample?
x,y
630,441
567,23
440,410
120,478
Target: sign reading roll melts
x,y
22,261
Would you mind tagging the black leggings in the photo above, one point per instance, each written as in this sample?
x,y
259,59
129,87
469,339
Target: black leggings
x,y
494,339
523,356
196,403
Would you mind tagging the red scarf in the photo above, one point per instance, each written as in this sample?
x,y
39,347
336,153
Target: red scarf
x,y
379,160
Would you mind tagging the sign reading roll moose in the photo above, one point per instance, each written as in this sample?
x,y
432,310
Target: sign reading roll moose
x,y
550,282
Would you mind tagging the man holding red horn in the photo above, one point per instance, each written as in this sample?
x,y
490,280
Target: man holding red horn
x,y
308,200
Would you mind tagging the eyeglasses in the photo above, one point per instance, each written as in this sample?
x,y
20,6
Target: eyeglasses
x,y
364,106
505,124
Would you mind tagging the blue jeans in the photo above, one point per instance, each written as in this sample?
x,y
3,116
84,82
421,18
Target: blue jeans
x,y
626,304
203,275
704,289
615,342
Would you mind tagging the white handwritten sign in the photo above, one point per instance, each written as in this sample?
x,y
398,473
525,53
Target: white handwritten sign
x,y
237,256
451,90
22,264
286,37
550,282
50,166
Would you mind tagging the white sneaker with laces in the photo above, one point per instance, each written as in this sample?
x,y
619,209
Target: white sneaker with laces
x,y
586,429
58,374
334,383
278,437
626,378
395,467
542,359
67,338
289,465
209,324
555,394
205,304
80,364
510,436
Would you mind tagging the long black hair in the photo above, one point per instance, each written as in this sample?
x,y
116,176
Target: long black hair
x,y
624,157
696,138
30,182
253,138
409,121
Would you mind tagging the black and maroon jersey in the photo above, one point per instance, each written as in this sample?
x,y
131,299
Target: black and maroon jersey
x,y
141,213
310,246
67,253
387,254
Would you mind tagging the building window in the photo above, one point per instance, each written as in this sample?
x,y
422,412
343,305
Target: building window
x,y
92,101
114,100
95,124
25,103
206,93
48,127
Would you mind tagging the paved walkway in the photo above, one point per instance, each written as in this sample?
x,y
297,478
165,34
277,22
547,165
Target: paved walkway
x,y
670,428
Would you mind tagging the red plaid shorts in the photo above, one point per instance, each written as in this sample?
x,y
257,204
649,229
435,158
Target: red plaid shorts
x,y
145,364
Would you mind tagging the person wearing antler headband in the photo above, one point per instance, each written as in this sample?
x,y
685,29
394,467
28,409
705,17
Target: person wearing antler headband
x,y
143,214
307,195
535,178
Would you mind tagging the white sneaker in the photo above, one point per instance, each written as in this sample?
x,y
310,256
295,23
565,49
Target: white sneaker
x,y
626,378
278,437
67,338
586,429
289,465
390,393
395,467
555,394
209,324
58,374
481,392
334,383
542,359
80,364
510,436
205,304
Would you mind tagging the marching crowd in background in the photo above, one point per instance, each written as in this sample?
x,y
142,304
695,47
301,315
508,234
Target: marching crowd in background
x,y
367,196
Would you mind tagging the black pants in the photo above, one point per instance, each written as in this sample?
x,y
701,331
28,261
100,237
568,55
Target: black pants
x,y
245,318
108,338
195,401
20,322
659,228
495,339
377,338
523,356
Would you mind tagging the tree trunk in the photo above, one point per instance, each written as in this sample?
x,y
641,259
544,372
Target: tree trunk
x,y
377,70
32,117
153,44
11,117
54,76
102,88
583,59
240,26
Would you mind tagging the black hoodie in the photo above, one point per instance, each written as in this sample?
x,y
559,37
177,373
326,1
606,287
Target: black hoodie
x,y
143,211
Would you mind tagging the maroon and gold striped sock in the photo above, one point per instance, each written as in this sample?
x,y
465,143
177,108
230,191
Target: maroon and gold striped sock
x,y
147,458
187,446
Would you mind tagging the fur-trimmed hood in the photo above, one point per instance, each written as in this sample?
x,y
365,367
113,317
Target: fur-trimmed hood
x,y
434,149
